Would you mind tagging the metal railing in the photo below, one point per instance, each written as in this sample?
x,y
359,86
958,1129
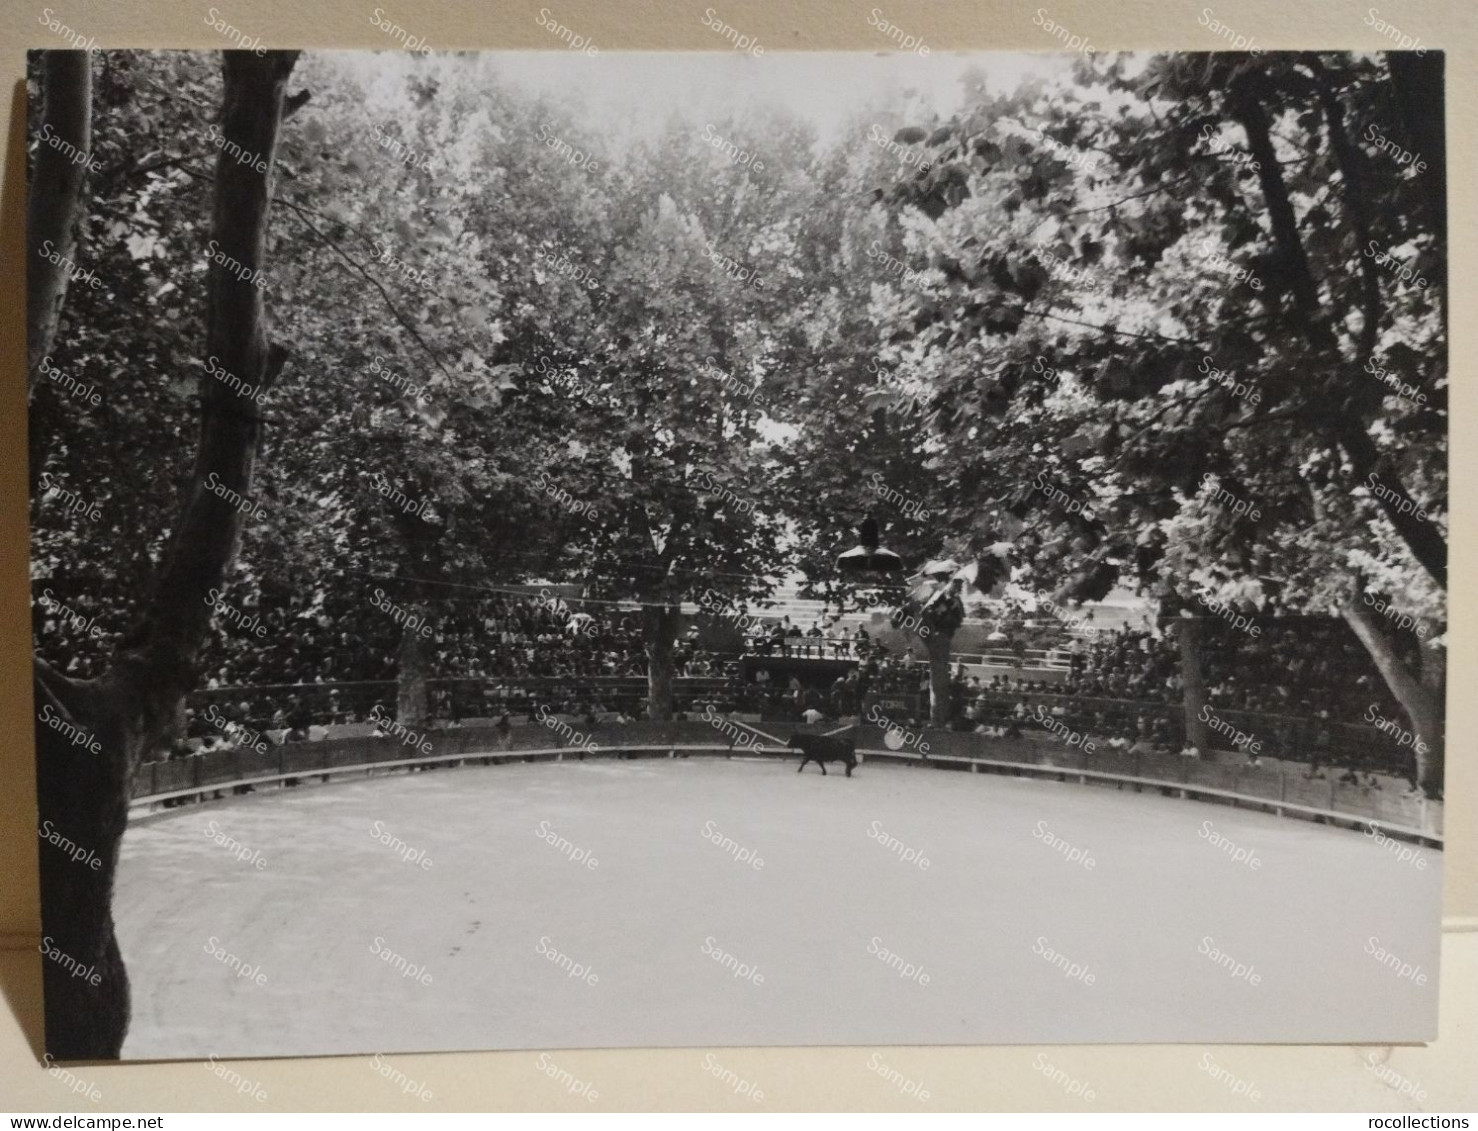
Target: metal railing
x,y
829,648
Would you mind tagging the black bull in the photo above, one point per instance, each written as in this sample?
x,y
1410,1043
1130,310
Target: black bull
x,y
821,749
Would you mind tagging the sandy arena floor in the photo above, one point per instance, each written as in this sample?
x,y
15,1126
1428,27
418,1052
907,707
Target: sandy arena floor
x,y
981,921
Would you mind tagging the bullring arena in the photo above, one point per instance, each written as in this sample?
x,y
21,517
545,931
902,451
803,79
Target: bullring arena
x,y
673,887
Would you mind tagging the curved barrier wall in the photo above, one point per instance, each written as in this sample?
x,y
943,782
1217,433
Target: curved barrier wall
x,y
1285,791
1281,788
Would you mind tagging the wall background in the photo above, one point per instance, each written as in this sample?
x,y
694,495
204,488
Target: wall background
x,y
1123,1077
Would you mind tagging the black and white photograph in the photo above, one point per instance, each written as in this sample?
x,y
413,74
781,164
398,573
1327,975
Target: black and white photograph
x,y
587,548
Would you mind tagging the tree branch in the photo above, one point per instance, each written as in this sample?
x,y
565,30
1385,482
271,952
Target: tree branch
x,y
384,294
1255,421
55,192
1149,337
1127,199
157,666
1422,538
1352,170
1248,110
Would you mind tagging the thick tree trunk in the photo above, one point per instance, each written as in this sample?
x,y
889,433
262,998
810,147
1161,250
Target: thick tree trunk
x,y
1357,201
1246,104
135,707
659,632
412,702
419,544
1423,703
937,644
1190,630
82,796
56,189
1434,661
1425,541
1422,99
1420,96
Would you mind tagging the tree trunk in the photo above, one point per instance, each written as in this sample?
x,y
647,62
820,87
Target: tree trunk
x,y
1426,542
937,644
419,552
56,188
1246,106
135,707
1420,97
659,633
1190,630
412,704
1423,703
82,795
1357,200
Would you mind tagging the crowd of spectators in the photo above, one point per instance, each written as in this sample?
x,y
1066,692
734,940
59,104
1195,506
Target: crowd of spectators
x,y
338,638
526,637
834,640
488,657
506,654
1302,687
517,637
1300,666
72,630
1306,666
1303,692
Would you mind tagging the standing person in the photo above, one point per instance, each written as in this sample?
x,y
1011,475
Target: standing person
x,y
777,637
844,642
814,636
837,697
300,720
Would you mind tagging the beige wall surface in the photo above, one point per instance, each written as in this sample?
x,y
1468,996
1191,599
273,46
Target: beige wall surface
x,y
1150,1077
